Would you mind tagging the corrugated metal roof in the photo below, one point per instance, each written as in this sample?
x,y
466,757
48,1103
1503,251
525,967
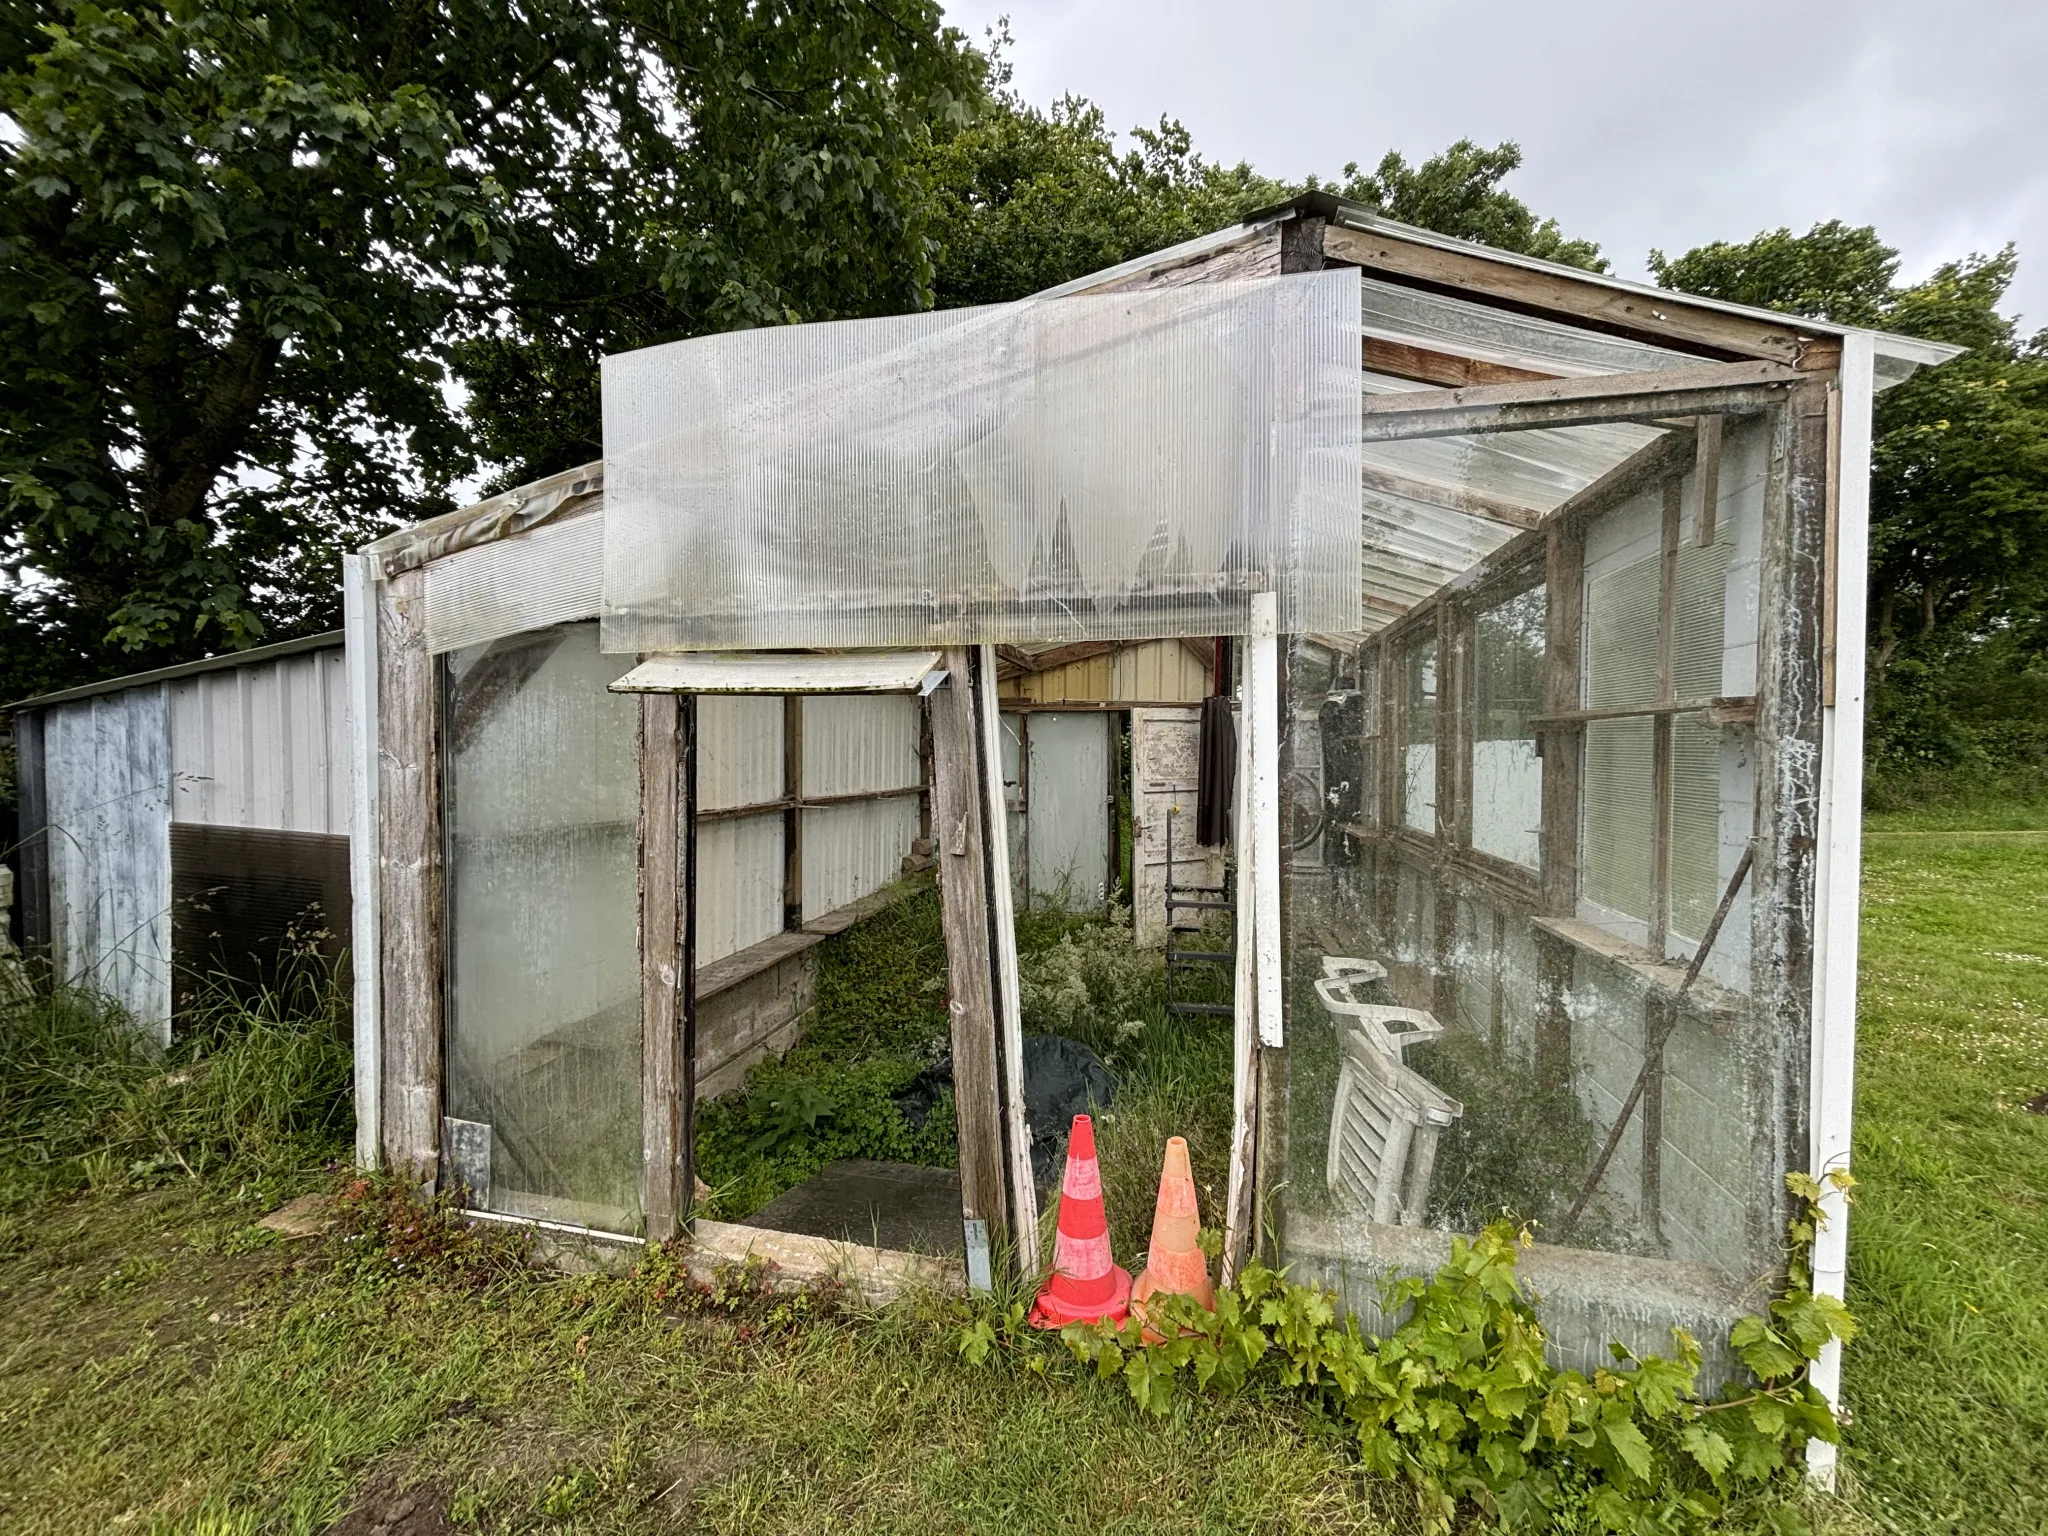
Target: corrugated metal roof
x,y
320,642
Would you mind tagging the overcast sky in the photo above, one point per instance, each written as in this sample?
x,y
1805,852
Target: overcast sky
x,y
1641,125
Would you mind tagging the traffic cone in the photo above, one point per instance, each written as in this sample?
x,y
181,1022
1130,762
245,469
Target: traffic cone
x,y
1175,1266
1084,1286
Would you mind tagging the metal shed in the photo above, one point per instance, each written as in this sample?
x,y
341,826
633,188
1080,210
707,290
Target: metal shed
x,y
177,823
1557,610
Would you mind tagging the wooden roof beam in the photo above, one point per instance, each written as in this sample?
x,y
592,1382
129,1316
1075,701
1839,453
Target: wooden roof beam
x,y
1425,365
1450,498
1554,295
1648,396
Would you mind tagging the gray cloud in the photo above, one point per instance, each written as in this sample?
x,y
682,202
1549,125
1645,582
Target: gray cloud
x,y
1642,125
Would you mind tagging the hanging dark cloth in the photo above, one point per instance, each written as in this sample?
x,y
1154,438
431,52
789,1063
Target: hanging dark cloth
x,y
1216,780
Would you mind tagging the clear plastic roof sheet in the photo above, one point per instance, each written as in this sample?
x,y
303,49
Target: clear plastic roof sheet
x,y
1121,466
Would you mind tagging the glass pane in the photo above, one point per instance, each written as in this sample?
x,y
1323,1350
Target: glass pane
x,y
1461,1039
1620,820
1418,739
542,796
1507,694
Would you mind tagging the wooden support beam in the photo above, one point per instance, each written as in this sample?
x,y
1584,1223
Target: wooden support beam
x,y
1451,498
1646,467
793,810
1661,767
1648,396
1666,319
1562,747
667,970
958,830
1777,1044
1403,360
1706,475
409,872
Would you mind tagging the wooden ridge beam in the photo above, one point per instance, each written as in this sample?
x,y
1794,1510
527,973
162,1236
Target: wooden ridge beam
x,y
1659,319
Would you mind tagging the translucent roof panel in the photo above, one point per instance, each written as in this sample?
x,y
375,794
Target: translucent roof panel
x,y
1394,313
1434,507
1121,466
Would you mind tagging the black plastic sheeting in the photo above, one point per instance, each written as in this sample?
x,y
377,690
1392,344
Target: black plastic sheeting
x,y
1216,769
1062,1079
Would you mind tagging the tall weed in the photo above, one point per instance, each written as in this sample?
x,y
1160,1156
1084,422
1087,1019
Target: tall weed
x,y
254,1084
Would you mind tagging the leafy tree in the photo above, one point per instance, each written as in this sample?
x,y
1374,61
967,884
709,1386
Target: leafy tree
x,y
1022,200
1959,490
242,243
1458,192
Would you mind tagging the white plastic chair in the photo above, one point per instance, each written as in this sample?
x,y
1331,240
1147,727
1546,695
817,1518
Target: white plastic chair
x,y
1387,1118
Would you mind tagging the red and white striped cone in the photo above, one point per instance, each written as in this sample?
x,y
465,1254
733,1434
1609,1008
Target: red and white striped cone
x,y
1085,1285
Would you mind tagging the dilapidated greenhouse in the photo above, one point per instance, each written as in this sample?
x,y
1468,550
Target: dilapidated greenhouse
x,y
1528,608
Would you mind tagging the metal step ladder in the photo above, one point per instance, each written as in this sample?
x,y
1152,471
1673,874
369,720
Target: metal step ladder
x,y
1198,899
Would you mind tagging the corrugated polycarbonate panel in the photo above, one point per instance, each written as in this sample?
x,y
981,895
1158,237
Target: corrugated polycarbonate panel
x,y
1507,777
1621,815
853,850
553,575
1121,466
264,747
1395,313
856,744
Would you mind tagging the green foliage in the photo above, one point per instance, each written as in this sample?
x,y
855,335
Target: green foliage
x,y
1085,978
1022,199
880,1021
242,245
1457,191
253,1087
1459,1403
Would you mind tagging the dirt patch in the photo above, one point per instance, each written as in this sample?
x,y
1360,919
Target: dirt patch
x,y
700,1466
385,1509
307,1216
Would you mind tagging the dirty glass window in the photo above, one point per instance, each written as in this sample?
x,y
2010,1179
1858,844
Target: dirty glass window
x,y
1418,737
1507,695
1459,1047
541,792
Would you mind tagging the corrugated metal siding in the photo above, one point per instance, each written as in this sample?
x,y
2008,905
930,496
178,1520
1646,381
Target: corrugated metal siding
x,y
1160,672
851,851
739,884
1142,672
108,775
263,746
856,744
739,750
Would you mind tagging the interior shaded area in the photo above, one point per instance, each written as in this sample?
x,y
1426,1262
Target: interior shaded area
x,y
900,1206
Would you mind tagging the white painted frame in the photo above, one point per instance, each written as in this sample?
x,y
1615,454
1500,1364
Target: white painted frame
x,y
1257,983
1838,889
359,621
1009,1000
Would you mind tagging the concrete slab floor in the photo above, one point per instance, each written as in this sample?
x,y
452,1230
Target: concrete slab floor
x,y
883,1205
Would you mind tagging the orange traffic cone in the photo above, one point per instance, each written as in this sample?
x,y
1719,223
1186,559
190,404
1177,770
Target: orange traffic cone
x,y
1176,1265
1084,1286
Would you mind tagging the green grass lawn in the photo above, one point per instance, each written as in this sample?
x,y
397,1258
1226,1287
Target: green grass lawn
x,y
168,1367
1948,1266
